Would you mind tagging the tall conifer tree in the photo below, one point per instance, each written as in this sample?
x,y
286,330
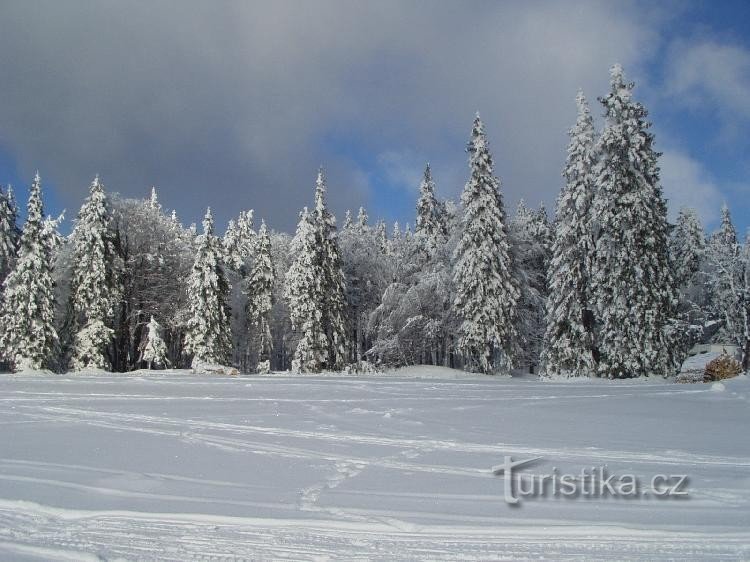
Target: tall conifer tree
x,y
27,331
92,285
632,280
334,292
569,339
8,232
431,228
209,338
259,290
303,291
486,293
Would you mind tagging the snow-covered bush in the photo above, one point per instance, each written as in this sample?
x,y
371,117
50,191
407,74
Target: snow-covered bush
x,y
154,351
361,368
200,367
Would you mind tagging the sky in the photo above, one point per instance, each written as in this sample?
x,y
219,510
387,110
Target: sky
x,y
235,104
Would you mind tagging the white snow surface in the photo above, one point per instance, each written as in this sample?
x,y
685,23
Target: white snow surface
x,y
174,466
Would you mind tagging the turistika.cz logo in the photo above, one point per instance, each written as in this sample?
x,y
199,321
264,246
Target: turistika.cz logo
x,y
591,482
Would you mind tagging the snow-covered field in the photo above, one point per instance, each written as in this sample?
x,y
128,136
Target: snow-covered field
x,y
173,466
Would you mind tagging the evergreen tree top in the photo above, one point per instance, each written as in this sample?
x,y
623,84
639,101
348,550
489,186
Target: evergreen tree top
x,y
582,103
626,142
304,217
362,218
478,143
96,189
427,184
11,197
727,233
320,192
480,159
541,212
522,211
426,200
617,78
325,220
154,199
8,210
208,223
34,208
584,126
619,104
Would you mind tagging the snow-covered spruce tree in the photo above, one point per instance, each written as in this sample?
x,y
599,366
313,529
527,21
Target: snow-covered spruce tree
x,y
27,331
334,290
687,250
569,337
726,235
738,315
431,229
154,350
729,266
92,284
381,235
687,246
259,289
632,281
722,252
362,220
208,332
238,241
8,232
153,201
486,293
531,247
303,291
348,223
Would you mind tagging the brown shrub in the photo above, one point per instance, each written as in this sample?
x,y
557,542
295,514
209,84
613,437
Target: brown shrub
x,y
723,367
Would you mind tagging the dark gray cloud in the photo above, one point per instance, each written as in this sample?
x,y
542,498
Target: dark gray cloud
x,y
233,103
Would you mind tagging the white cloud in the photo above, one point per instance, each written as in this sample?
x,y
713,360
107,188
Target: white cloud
x,y
687,184
403,169
713,74
238,98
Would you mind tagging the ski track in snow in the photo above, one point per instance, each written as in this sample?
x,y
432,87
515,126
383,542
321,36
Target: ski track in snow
x,y
176,467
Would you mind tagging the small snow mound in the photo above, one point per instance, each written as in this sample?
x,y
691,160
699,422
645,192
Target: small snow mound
x,y
689,377
33,372
718,387
361,368
435,372
563,377
201,367
90,371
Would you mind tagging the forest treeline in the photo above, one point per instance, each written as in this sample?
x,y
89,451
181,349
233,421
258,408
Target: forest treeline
x,y
606,288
